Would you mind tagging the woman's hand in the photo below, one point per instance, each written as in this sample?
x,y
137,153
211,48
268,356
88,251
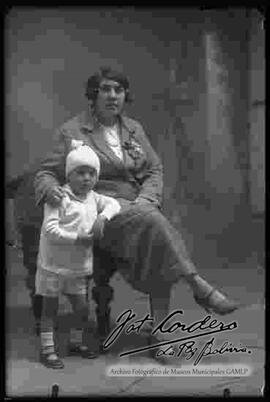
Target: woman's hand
x,y
54,196
85,240
98,227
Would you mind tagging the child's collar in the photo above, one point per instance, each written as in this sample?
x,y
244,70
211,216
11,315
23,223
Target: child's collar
x,y
69,191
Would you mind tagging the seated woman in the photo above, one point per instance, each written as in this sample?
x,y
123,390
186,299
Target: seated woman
x,y
145,248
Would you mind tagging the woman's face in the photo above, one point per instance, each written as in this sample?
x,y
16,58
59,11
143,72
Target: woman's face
x,y
110,98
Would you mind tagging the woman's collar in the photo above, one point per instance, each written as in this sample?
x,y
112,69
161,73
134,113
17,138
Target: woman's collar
x,y
88,121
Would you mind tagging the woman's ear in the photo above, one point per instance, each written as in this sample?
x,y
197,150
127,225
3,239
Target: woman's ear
x,y
129,97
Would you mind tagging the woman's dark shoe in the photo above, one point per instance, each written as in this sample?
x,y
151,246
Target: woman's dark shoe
x,y
51,363
83,351
216,302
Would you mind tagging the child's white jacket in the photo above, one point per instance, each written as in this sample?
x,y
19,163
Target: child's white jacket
x,y
58,251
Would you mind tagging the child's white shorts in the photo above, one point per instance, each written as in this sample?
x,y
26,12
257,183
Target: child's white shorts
x,y
52,285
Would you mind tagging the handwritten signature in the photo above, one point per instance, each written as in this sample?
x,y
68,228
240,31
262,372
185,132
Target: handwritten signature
x,y
128,323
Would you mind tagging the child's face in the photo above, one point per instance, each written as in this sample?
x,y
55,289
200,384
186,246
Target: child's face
x,y
82,180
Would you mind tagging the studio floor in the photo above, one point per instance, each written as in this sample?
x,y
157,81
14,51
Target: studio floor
x,y
25,376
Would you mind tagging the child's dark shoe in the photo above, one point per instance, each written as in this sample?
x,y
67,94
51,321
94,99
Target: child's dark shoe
x,y
83,351
51,360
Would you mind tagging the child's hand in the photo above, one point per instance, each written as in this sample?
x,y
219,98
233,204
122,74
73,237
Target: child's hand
x,y
98,227
85,240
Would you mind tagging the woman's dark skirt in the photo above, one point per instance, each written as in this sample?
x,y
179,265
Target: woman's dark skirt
x,y
145,248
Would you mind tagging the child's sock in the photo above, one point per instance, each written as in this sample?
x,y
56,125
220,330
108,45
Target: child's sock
x,y
76,336
47,344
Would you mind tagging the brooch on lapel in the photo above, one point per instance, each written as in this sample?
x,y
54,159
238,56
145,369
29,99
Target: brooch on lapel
x,y
134,149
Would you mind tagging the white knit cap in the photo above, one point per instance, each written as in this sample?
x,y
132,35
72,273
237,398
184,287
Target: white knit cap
x,y
82,155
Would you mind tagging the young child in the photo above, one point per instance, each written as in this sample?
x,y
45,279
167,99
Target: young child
x,y
65,258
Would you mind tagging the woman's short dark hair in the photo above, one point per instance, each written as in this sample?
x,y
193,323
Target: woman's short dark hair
x,y
94,81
